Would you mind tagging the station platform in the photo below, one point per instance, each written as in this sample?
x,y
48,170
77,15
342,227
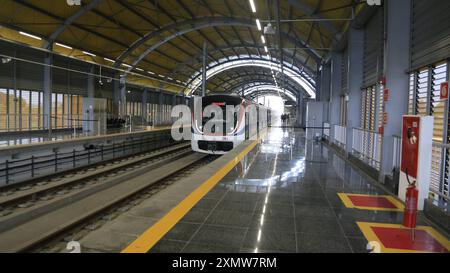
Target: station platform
x,y
280,194
30,137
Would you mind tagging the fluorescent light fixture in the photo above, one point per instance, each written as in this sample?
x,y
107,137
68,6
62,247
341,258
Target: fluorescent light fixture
x,y
109,60
178,81
88,53
263,39
62,45
30,35
252,5
170,78
126,65
258,24
162,76
139,69
266,49
150,72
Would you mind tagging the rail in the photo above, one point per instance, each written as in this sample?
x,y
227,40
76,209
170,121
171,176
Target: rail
x,y
440,171
340,136
13,171
326,130
366,145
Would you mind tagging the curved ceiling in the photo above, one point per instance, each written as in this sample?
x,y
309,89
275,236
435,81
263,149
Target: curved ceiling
x,y
164,38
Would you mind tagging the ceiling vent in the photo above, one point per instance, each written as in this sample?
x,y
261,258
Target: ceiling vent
x,y
269,29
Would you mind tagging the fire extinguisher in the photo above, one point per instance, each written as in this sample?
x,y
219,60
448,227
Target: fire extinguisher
x,y
411,201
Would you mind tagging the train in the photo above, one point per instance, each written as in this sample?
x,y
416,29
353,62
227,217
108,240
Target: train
x,y
219,136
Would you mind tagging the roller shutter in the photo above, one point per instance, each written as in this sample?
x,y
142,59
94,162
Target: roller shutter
x,y
373,49
430,39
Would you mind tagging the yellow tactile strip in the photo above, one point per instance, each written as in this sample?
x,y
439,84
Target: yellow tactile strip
x,y
152,235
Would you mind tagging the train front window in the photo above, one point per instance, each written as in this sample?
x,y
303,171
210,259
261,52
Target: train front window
x,y
223,102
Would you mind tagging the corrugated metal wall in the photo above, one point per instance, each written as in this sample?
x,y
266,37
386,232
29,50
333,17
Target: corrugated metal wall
x,y
430,39
373,49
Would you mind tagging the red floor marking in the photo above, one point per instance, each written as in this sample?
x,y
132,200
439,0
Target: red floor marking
x,y
399,238
371,201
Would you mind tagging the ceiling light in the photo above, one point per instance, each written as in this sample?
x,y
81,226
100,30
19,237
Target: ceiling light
x,y
170,78
263,39
162,76
266,49
252,5
126,65
62,45
109,60
258,24
150,72
88,53
30,35
139,69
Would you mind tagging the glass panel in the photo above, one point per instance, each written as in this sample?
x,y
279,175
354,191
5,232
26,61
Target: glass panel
x,y
25,103
3,109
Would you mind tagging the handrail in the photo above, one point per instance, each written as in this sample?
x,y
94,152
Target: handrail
x,y
59,161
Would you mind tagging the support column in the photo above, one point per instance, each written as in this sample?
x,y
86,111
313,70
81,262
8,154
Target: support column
x,y
117,104
325,89
299,110
205,53
397,81
160,103
91,82
144,109
335,88
355,79
47,90
122,96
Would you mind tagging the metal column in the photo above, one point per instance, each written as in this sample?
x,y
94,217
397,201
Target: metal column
x,y
47,93
91,82
397,81
144,108
355,80
122,96
205,54
335,88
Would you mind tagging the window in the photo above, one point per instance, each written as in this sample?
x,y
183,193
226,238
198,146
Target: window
x,y
3,109
424,99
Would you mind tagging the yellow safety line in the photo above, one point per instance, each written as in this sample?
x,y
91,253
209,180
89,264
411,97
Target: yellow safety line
x,y
349,204
370,235
152,235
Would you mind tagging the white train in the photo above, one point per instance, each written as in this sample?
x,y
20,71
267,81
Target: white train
x,y
224,137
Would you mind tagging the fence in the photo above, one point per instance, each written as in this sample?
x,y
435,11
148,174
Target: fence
x,y
12,171
340,135
326,130
440,171
366,145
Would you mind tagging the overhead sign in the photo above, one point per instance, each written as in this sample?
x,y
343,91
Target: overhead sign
x,y
444,91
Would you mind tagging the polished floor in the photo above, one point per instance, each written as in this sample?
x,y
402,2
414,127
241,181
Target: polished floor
x,y
283,197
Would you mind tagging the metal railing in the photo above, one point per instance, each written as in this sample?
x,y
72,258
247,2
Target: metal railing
x,y
326,130
439,182
340,135
13,171
396,152
30,122
366,145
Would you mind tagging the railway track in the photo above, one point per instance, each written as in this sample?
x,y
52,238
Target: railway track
x,y
42,212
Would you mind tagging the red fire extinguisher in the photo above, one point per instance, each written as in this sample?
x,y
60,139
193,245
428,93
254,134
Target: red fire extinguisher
x,y
411,201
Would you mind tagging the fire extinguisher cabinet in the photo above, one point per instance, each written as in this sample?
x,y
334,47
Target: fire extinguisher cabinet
x,y
417,143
